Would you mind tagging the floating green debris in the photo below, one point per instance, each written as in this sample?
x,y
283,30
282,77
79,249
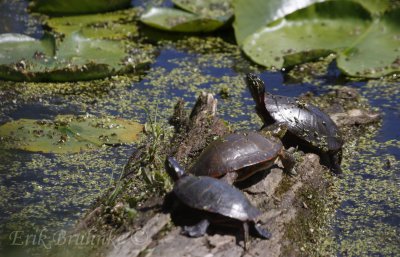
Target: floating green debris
x,y
61,7
75,58
115,25
366,46
68,134
179,21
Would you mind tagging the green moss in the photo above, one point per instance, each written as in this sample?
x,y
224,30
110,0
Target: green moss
x,y
309,232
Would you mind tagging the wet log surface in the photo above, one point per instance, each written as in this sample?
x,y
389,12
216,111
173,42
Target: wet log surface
x,y
272,191
157,230
279,208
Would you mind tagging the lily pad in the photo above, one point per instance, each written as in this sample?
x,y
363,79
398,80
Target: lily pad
x,y
61,7
68,134
377,51
15,47
180,21
251,15
75,58
365,46
375,6
115,25
207,8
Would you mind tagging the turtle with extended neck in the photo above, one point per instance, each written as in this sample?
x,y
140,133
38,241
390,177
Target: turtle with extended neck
x,y
308,127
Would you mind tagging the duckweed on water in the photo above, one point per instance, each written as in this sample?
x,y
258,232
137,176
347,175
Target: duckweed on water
x,y
57,189
367,220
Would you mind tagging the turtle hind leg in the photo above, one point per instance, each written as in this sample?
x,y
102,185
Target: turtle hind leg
x,y
260,232
197,230
245,234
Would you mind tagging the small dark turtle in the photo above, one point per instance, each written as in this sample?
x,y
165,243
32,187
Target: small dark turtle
x,y
239,155
307,126
214,196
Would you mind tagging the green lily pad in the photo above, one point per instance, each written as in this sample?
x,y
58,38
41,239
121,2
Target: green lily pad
x,y
61,7
207,8
179,21
365,46
251,15
115,25
375,6
15,47
75,58
376,52
68,134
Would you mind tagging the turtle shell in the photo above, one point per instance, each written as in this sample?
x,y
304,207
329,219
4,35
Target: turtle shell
x,y
244,153
305,121
215,196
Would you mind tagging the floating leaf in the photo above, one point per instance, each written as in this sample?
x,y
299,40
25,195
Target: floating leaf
x,y
77,58
15,47
68,134
251,15
207,8
62,7
179,21
116,25
375,6
365,46
376,52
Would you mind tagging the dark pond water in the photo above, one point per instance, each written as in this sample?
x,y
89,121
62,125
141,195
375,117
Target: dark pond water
x,y
51,191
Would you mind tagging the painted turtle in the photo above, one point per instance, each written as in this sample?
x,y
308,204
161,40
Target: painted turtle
x,y
239,155
307,126
214,196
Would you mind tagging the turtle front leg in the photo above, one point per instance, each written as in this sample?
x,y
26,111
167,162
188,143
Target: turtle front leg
x,y
334,161
197,230
277,129
288,162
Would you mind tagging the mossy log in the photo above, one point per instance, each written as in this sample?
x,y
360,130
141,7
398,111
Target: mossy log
x,y
289,203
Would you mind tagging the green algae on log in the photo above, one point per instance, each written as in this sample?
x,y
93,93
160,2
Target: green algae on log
x,y
67,133
61,7
74,58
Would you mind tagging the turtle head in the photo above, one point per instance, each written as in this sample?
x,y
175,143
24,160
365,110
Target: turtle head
x,y
173,168
256,87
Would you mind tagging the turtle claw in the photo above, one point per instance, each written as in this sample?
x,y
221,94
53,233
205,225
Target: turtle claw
x,y
197,230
